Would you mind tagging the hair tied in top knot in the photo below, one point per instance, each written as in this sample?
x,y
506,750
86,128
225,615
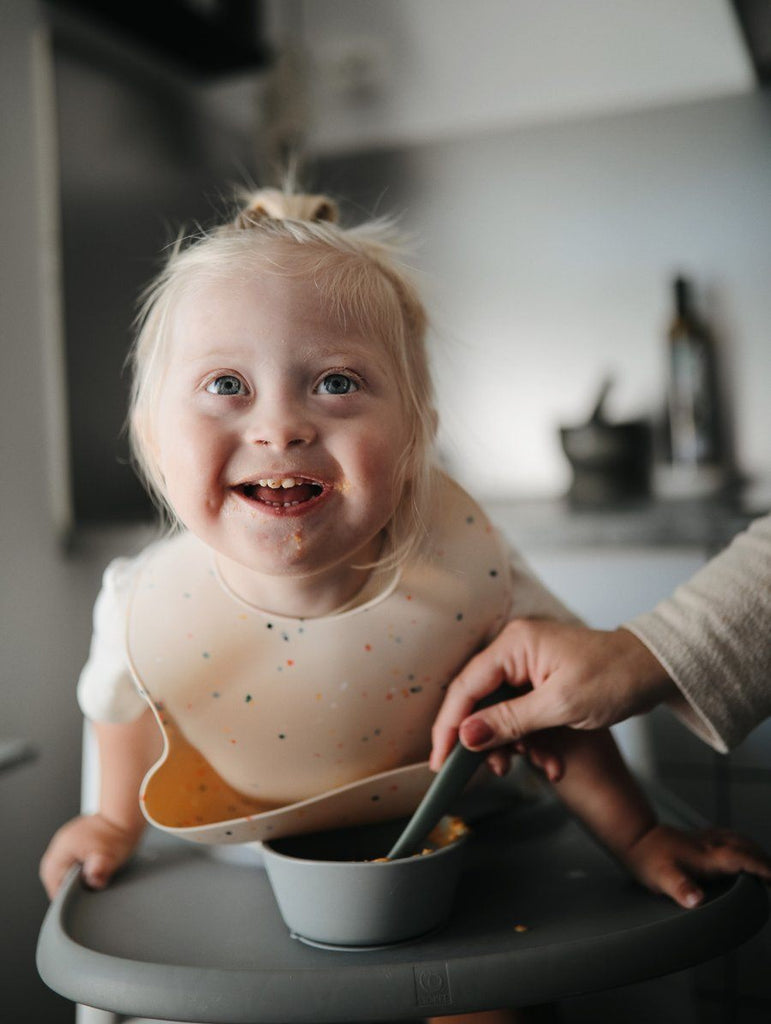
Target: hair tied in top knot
x,y
272,204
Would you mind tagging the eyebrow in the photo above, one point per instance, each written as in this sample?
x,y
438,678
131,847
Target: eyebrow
x,y
334,354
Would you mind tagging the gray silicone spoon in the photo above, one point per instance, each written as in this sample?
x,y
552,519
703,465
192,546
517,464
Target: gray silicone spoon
x,y
448,784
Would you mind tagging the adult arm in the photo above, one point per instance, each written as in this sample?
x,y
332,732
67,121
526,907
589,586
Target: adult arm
x,y
713,638
704,651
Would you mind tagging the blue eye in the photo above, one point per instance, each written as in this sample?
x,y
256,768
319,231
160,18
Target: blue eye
x,y
228,385
337,384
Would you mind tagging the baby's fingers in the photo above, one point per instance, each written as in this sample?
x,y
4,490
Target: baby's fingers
x,y
670,861
99,845
53,870
726,853
98,869
681,887
676,881
499,761
543,755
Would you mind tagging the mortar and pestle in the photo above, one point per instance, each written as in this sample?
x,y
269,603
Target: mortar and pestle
x,y
611,462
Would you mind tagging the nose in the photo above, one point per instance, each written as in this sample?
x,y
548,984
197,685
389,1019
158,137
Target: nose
x,y
281,423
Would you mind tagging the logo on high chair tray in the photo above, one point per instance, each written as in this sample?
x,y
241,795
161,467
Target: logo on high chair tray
x,y
432,985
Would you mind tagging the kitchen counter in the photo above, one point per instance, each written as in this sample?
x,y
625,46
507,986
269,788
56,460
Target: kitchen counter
x,y
705,524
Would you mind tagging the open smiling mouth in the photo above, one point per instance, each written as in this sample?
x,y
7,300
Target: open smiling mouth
x,y
281,492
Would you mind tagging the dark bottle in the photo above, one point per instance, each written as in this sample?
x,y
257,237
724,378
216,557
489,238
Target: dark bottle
x,y
693,413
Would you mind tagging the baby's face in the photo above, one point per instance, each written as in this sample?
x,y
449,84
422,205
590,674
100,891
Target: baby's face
x,y
278,433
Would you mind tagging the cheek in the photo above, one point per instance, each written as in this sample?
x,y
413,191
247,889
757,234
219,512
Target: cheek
x,y
393,440
380,460
188,459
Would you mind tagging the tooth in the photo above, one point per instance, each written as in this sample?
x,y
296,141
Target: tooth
x,y
273,484
288,481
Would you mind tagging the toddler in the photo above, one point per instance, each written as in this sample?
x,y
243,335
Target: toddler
x,y
291,638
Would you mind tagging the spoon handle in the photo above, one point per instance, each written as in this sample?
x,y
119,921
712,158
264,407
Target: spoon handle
x,y
449,783
446,786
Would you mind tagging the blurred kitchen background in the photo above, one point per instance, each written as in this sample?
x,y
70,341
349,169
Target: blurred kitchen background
x,y
557,165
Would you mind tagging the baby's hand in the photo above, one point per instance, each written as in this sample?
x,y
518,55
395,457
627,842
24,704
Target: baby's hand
x,y
669,860
91,840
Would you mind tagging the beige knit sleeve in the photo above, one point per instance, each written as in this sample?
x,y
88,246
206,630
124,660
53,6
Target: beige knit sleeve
x,y
713,636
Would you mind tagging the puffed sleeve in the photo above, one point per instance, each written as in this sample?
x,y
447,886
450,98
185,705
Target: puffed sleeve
x,y
106,689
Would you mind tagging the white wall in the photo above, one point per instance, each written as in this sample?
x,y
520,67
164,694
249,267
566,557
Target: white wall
x,y
550,251
558,163
547,252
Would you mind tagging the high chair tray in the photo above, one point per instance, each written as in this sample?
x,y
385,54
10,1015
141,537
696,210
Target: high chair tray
x,y
542,913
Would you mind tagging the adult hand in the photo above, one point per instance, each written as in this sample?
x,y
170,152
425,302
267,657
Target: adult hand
x,y
582,678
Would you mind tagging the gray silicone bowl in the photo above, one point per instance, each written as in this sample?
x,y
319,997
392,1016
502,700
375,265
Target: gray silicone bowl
x,y
331,892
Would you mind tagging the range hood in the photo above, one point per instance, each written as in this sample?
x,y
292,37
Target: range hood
x,y
755,21
200,39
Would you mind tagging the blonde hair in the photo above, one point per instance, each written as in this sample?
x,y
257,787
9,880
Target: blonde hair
x,y
360,272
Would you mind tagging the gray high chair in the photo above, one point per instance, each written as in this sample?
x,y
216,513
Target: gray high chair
x,y
542,913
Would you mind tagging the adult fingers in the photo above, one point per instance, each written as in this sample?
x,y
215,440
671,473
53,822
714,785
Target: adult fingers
x,y
510,720
505,660
481,677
